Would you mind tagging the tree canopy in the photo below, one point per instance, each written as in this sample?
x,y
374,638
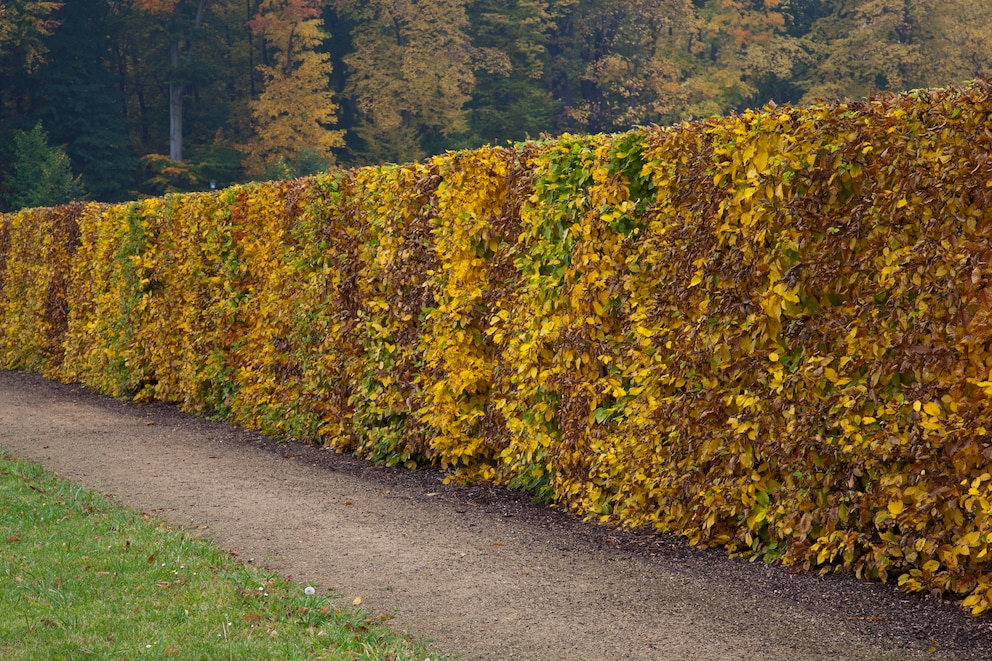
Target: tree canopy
x,y
148,96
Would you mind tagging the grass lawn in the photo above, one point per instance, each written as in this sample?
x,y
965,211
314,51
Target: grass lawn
x,y
81,577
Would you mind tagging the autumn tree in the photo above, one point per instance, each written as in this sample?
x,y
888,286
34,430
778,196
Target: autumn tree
x,y
741,50
870,45
24,24
410,75
956,41
615,63
618,63
238,87
292,115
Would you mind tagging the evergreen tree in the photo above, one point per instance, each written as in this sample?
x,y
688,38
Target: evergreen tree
x,y
511,100
40,174
78,99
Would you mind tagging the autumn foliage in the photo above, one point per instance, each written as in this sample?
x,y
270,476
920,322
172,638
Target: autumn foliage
x,y
769,332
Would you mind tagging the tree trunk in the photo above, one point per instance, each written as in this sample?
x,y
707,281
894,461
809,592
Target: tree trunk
x,y
177,88
175,107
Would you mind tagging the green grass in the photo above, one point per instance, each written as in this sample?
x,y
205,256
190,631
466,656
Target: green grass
x,y
81,577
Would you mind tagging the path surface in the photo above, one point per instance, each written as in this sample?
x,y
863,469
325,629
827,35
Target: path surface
x,y
479,570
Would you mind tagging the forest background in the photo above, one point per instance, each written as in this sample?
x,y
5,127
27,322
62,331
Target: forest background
x,y
118,99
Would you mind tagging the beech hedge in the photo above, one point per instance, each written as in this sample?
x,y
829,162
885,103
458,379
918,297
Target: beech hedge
x,y
768,332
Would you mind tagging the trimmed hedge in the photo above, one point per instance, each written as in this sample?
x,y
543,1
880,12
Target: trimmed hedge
x,y
768,331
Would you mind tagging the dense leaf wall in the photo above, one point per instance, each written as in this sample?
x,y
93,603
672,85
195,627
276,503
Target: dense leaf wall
x,y
769,332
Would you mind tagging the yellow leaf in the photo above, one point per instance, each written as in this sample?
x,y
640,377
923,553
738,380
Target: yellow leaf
x,y
761,160
895,507
357,601
977,603
971,539
931,408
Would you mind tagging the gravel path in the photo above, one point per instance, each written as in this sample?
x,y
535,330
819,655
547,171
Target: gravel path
x,y
480,570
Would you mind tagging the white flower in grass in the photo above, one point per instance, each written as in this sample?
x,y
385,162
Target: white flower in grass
x,y
309,591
